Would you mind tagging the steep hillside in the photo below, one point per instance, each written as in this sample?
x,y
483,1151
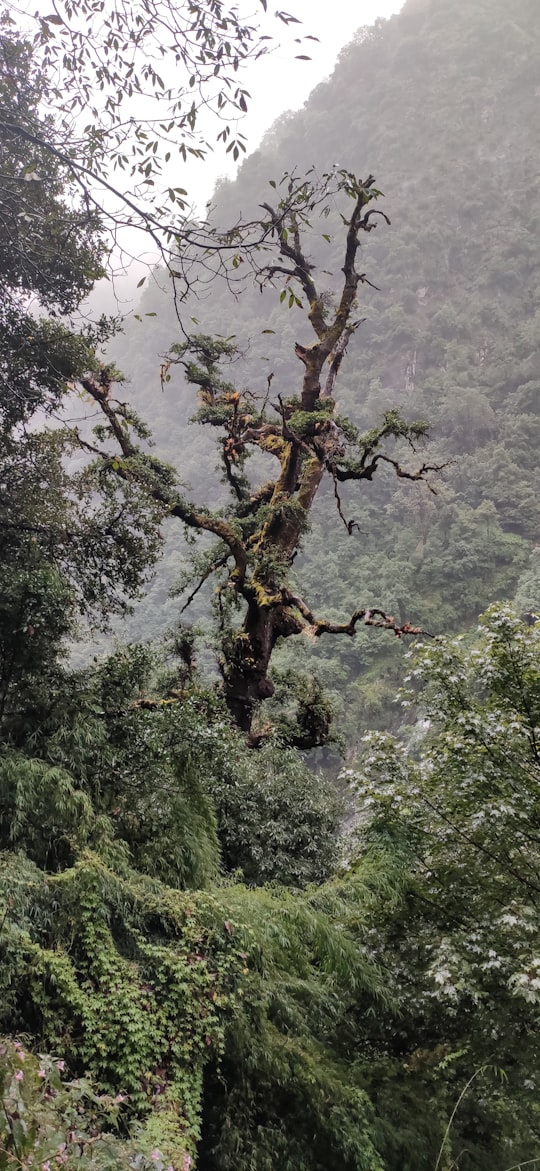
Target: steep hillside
x,y
442,104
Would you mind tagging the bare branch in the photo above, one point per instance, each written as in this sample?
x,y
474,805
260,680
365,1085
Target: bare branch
x,y
350,525
370,616
217,564
367,470
419,474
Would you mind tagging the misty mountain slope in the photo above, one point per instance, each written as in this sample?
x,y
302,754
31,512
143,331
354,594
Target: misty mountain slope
x,y
442,104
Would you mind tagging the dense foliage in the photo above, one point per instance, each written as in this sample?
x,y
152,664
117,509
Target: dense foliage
x,y
241,1025
462,798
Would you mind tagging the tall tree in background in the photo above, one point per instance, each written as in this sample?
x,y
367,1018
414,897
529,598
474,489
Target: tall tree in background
x,y
260,531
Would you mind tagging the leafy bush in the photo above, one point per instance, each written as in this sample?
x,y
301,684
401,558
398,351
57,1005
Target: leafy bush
x,y
48,1122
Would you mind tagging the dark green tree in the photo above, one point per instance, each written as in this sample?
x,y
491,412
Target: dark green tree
x,y
69,541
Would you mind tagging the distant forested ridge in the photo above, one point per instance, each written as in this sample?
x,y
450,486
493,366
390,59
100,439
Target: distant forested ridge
x,y
442,104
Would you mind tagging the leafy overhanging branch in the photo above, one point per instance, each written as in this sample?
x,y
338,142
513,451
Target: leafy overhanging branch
x,y
182,243
88,61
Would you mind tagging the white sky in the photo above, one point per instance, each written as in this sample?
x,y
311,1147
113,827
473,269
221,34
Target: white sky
x,y
278,82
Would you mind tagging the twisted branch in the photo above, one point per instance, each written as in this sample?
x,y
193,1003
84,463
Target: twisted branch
x,y
365,471
370,616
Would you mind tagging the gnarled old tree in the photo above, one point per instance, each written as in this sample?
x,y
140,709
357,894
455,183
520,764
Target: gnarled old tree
x,y
262,528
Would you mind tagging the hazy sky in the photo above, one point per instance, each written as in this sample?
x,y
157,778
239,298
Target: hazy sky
x,y
279,82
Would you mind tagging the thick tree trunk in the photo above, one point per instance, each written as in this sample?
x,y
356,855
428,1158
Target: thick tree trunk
x,y
246,659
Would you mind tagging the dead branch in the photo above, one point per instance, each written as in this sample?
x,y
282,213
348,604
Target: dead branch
x,y
370,616
366,471
218,564
349,524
